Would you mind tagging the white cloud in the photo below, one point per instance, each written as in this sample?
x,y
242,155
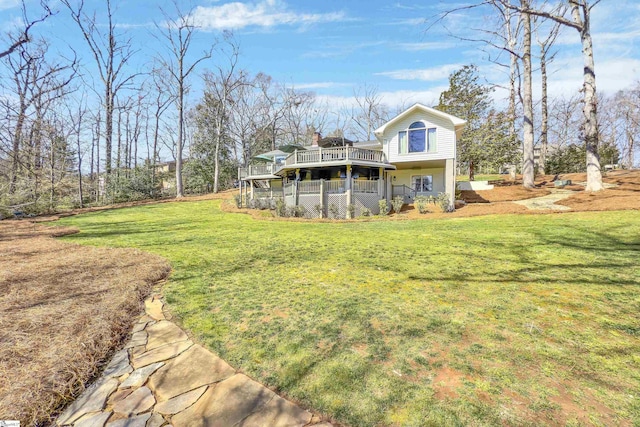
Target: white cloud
x,y
318,85
425,74
8,4
395,100
266,13
414,47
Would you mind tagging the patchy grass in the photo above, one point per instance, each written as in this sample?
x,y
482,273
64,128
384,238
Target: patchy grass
x,y
495,320
482,177
63,309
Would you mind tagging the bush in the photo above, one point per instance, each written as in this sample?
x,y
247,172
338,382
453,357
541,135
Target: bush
x,y
351,210
281,208
334,212
424,203
365,212
397,203
238,199
318,209
384,207
443,201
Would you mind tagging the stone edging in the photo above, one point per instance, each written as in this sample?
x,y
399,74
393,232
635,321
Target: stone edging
x,y
162,378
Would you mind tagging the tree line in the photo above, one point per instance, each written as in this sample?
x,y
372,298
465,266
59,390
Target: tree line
x,y
78,131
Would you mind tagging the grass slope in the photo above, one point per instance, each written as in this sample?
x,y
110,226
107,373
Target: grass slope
x,y
518,320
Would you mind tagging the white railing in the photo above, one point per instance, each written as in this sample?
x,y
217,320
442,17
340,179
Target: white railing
x,y
323,155
309,187
365,186
337,186
256,170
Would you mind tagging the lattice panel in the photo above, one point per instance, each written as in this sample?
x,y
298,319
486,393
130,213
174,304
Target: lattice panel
x,y
309,201
366,200
340,200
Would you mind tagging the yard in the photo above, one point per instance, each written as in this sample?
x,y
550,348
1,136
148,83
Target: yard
x,y
513,319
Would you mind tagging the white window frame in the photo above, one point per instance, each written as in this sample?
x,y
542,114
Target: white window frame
x,y
428,147
422,177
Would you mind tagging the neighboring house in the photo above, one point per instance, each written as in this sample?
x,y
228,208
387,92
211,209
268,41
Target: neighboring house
x,y
414,154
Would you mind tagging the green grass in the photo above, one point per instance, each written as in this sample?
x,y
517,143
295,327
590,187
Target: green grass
x,y
513,320
482,177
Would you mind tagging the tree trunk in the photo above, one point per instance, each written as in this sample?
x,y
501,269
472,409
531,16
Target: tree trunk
x,y
216,160
544,125
179,189
594,176
527,165
472,171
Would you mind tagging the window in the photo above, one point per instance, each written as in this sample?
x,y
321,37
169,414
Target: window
x,y
417,139
422,183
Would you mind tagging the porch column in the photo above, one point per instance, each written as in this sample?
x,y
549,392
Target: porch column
x,y
348,187
450,180
381,182
251,182
297,174
322,198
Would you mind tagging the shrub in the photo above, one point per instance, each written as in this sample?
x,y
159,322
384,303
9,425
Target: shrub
x,y
318,209
443,201
300,212
397,203
351,210
384,207
281,208
423,203
238,200
366,212
334,212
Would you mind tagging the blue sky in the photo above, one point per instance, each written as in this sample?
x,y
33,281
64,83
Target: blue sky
x,y
333,47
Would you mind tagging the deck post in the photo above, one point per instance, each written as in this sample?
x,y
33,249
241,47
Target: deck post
x,y
381,183
348,185
321,198
450,180
320,154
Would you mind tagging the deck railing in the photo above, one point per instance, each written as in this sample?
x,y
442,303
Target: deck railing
x,y
257,170
336,186
324,155
365,186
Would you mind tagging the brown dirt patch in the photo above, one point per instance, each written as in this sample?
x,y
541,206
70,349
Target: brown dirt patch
x,y
64,309
446,382
606,200
502,192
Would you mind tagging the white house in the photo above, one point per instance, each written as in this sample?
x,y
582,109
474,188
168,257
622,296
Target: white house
x,y
414,154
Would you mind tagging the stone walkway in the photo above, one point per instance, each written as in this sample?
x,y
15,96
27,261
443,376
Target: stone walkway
x,y
547,202
162,378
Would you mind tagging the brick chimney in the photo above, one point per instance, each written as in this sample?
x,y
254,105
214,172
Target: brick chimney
x,y
316,137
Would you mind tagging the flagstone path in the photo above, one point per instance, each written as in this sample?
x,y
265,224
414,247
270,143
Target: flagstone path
x,y
162,378
547,202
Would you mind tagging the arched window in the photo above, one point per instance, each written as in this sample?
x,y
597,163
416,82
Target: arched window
x,y
417,139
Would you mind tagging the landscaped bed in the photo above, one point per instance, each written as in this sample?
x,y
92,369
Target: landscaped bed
x,y
512,319
64,309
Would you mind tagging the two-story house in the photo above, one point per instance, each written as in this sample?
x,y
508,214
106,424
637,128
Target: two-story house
x,y
414,154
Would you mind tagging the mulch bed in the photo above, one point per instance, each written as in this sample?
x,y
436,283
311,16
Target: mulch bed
x,y
64,309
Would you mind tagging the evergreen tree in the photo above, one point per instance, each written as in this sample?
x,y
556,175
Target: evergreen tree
x,y
485,139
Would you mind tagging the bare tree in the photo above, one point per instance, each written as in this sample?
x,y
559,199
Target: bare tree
x,y
546,55
111,53
178,33
580,11
370,112
528,137
222,86
24,36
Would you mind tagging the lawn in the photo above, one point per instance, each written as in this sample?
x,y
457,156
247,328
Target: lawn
x,y
512,320
482,177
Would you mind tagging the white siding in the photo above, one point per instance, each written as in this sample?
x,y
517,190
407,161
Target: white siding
x,y
445,137
403,177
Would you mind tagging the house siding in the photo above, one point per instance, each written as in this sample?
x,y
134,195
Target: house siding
x,y
403,177
445,139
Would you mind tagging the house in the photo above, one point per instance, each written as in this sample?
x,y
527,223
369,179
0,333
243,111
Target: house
x,y
413,154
